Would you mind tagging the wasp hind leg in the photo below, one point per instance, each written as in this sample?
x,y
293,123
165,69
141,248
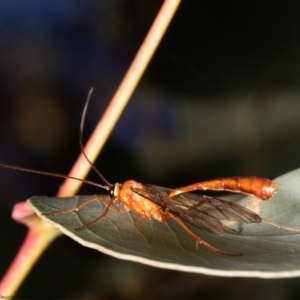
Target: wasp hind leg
x,y
197,238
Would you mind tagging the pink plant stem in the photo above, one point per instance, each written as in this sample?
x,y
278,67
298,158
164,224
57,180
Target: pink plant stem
x,y
121,97
33,246
36,241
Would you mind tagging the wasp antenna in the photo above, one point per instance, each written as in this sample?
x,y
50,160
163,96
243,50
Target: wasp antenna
x,y
105,187
81,133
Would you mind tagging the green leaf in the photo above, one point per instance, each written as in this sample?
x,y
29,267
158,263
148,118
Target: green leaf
x,y
268,251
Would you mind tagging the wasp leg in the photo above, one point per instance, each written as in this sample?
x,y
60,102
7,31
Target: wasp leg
x,y
196,237
77,208
109,206
113,207
64,212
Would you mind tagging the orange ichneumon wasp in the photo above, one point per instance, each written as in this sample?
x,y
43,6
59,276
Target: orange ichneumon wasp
x,y
163,204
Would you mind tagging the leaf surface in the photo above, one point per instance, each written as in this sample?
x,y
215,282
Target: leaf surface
x,y
268,251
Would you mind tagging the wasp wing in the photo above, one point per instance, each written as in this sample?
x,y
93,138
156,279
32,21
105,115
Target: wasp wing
x,y
202,211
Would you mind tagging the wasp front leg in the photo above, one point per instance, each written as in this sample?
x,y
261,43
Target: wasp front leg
x,y
67,211
109,206
260,187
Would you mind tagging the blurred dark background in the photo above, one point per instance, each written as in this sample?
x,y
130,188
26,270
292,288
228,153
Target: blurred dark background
x,y
220,98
